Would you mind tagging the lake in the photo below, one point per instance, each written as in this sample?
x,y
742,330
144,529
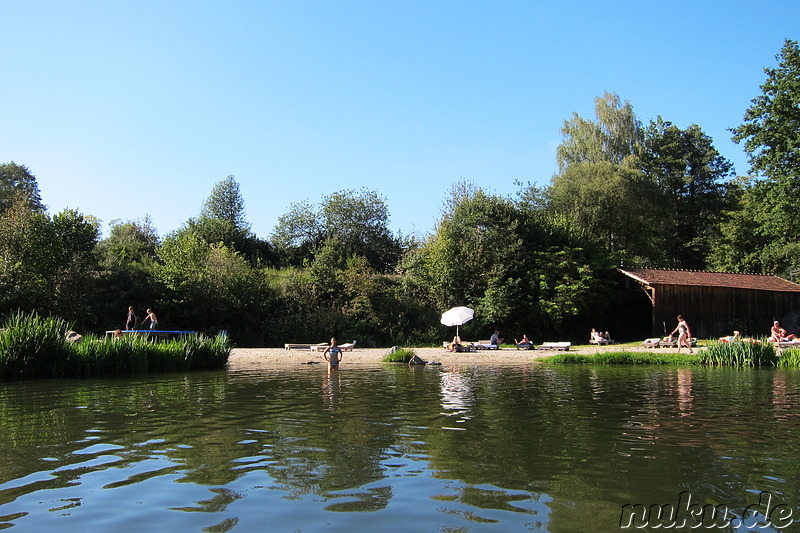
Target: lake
x,y
390,448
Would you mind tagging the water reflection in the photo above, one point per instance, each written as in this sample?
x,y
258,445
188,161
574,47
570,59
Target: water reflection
x,y
538,448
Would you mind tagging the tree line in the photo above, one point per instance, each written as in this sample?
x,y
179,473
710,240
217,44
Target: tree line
x,y
538,262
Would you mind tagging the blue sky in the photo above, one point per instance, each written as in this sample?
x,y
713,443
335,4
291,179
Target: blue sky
x,y
126,109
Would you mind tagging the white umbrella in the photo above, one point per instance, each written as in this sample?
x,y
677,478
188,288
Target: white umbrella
x,y
457,316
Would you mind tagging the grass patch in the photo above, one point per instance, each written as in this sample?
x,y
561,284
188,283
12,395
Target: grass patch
x,y
403,355
740,354
790,358
35,347
624,358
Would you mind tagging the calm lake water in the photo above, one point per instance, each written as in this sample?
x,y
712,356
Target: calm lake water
x,y
392,448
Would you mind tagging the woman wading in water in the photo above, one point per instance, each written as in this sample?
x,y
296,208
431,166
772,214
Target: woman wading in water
x,y
333,355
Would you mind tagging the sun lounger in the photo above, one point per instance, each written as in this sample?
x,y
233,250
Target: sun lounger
x,y
485,345
303,346
652,343
601,342
348,346
564,346
669,342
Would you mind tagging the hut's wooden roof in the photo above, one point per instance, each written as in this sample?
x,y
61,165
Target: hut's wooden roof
x,y
732,280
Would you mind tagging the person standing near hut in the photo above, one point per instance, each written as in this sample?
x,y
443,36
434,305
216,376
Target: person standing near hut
x,y
684,334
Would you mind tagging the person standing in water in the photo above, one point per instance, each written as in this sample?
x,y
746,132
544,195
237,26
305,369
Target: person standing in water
x,y
333,355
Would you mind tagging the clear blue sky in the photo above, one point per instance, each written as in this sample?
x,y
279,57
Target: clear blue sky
x,y
124,109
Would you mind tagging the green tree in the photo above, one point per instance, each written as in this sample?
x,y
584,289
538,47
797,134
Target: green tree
x,y
771,127
222,220
17,179
357,220
600,188
516,269
47,264
691,177
209,287
226,203
127,257
762,235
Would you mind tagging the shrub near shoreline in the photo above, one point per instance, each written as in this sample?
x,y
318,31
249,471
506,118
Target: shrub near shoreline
x,y
35,347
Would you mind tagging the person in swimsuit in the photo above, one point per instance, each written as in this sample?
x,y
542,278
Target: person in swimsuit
x,y
151,316
333,355
684,334
130,323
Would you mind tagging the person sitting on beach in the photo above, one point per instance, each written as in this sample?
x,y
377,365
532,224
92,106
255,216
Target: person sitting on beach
x,y
496,339
595,336
778,334
455,345
524,343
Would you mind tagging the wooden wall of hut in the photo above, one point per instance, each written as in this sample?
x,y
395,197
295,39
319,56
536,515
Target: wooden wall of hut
x,y
716,311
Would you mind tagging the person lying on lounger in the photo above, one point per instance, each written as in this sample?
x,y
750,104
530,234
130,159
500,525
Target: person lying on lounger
x,y
524,343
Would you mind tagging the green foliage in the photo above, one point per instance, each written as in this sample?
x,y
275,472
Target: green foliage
x,y
403,355
47,264
516,269
771,127
32,346
739,354
357,221
136,354
17,183
690,176
790,358
226,203
625,358
208,287
762,232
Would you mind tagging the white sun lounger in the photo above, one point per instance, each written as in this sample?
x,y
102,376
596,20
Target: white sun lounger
x,y
564,346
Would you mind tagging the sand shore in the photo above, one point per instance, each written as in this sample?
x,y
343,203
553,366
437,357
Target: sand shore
x,y
244,358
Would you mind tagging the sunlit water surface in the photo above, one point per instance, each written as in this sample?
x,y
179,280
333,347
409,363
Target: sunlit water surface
x,y
393,448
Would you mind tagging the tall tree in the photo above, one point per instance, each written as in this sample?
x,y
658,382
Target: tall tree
x,y
691,178
222,220
771,135
600,188
17,180
226,203
358,221
771,127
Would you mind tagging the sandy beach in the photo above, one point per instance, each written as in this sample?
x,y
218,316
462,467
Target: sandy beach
x,y
244,358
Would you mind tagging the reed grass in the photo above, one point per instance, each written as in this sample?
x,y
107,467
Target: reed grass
x,y
740,354
32,346
790,358
403,355
624,358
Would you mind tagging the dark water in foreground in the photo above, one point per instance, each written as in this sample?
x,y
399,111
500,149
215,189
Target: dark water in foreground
x,y
392,448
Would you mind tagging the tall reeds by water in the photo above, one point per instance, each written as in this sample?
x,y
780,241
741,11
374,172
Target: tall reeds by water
x,y
32,346
740,354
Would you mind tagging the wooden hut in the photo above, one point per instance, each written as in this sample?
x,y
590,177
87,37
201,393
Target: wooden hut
x,y
713,303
